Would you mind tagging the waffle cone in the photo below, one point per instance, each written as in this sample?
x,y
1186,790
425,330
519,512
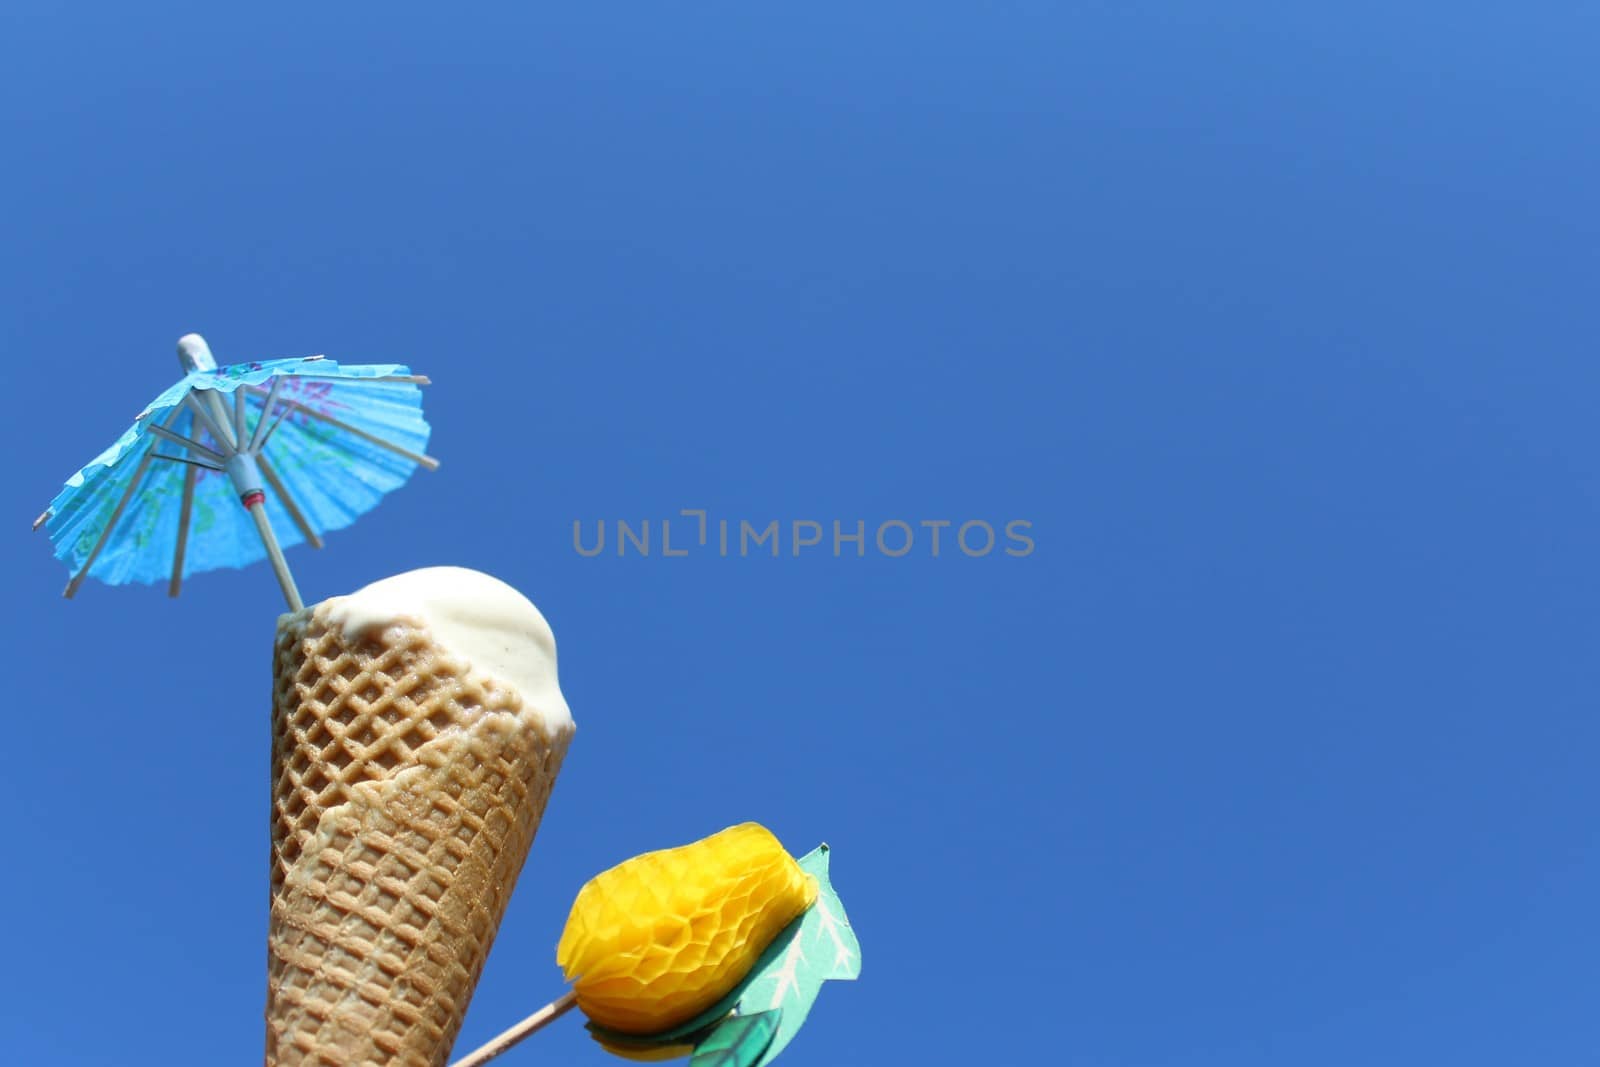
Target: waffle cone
x,y
406,794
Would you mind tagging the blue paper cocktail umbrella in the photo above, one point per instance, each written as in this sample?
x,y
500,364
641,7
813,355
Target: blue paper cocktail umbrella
x,y
304,445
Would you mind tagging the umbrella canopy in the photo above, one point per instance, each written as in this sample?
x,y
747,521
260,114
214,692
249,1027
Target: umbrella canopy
x,y
306,445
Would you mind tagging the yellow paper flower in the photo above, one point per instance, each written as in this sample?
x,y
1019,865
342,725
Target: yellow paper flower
x,y
659,939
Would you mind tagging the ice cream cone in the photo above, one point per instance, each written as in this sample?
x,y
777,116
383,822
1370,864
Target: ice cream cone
x,y
416,737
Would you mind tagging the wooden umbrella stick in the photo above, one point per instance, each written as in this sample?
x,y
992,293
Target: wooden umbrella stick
x,y
545,1015
280,567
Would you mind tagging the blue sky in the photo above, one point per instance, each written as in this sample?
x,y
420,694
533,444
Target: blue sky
x,y
1277,326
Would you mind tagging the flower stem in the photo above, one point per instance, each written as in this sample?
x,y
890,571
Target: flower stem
x,y
549,1013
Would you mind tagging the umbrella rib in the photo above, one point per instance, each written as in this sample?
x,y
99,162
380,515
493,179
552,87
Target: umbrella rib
x,y
283,413
116,514
288,501
184,512
194,446
416,457
223,438
415,379
258,439
44,518
241,418
186,459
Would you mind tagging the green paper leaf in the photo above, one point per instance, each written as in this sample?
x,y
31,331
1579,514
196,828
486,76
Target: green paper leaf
x,y
817,947
645,1042
684,1033
739,1042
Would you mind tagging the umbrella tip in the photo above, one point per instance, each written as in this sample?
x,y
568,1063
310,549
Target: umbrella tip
x,y
195,354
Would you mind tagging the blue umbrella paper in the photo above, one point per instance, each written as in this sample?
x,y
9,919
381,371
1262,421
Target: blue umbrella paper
x,y
234,463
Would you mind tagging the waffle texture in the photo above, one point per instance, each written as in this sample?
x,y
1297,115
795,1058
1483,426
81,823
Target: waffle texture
x,y
657,940
406,794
